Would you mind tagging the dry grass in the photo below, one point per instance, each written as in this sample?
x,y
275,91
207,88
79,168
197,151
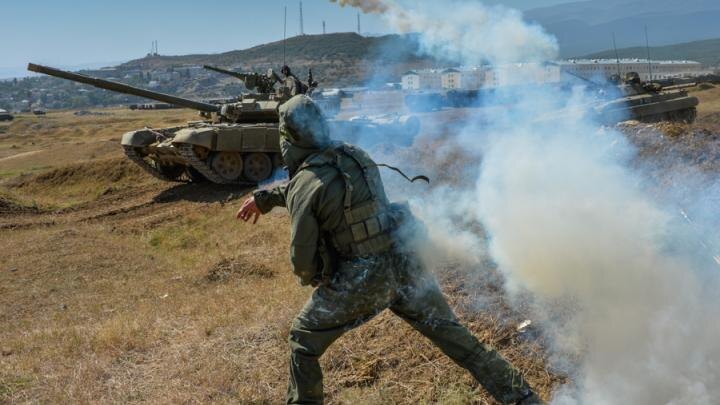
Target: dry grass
x,y
115,287
120,288
709,108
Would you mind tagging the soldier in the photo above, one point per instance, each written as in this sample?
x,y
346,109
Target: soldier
x,y
351,243
294,85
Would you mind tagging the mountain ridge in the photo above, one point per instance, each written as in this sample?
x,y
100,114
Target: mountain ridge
x,y
706,52
340,58
588,26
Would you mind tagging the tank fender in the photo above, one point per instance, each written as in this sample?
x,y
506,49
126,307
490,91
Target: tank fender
x,y
206,137
665,107
140,137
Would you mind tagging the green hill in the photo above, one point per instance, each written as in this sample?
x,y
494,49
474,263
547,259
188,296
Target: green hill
x,y
706,52
337,59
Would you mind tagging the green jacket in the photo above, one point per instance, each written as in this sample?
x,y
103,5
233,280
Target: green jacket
x,y
314,198
349,209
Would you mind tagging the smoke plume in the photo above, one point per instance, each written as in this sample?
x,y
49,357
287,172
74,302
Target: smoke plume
x,y
467,32
367,6
571,222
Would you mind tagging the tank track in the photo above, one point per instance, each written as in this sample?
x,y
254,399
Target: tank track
x,y
188,153
131,153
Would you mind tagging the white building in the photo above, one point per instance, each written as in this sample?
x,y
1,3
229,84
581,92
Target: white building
x,y
427,79
473,78
463,78
653,70
451,79
514,74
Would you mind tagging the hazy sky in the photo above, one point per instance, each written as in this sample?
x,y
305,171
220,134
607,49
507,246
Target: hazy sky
x,y
67,33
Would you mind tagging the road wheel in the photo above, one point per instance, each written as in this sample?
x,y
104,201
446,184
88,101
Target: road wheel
x,y
690,115
228,165
258,167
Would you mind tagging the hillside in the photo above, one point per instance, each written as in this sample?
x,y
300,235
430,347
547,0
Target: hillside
x,y
587,26
707,52
337,59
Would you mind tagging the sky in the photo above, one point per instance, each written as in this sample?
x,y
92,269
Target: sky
x,y
91,33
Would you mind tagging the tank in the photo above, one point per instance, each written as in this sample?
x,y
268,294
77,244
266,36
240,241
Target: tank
x,y
648,102
234,143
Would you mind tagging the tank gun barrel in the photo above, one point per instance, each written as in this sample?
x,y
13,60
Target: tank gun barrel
x,y
241,76
680,86
124,88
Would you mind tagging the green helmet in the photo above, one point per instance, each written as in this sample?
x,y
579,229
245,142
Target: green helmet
x,y
303,124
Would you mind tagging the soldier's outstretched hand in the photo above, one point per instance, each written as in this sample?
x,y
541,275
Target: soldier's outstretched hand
x,y
249,210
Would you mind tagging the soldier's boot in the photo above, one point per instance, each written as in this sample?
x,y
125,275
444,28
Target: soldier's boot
x,y
306,379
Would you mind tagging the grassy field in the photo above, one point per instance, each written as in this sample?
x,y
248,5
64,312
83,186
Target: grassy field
x,y
116,287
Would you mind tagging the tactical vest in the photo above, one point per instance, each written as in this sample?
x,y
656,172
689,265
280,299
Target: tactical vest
x,y
368,224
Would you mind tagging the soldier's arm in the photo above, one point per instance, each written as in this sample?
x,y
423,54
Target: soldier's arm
x,y
305,229
261,202
266,200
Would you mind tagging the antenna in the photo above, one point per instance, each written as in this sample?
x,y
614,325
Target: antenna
x,y
358,21
323,27
647,46
617,55
302,29
284,35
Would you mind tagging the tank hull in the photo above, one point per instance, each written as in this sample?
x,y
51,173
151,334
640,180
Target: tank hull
x,y
244,154
675,106
191,153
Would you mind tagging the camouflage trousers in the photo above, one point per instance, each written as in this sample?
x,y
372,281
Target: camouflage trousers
x,y
362,288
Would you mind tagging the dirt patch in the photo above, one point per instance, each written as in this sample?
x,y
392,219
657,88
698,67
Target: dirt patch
x,y
8,205
106,170
238,268
12,204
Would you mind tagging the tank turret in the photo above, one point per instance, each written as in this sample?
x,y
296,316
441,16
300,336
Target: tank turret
x,y
254,82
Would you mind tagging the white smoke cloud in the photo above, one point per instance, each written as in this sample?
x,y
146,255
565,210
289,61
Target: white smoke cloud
x,y
466,31
569,221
